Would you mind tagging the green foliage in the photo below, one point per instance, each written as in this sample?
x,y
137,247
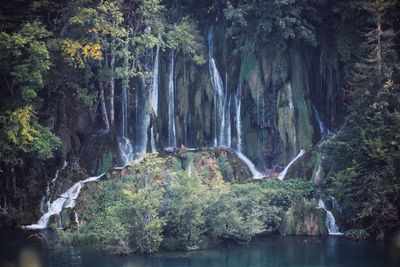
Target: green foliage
x,y
24,59
366,156
23,134
277,20
358,234
86,96
226,168
159,205
183,208
185,36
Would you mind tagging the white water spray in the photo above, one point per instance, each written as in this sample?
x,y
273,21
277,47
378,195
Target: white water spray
x,y
154,97
171,103
124,143
256,174
154,88
330,222
221,101
283,173
66,200
321,124
44,206
292,114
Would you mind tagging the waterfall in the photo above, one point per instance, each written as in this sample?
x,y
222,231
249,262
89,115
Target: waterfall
x,y
238,104
76,220
283,173
124,143
256,174
330,222
317,174
171,103
44,206
221,101
153,141
66,200
321,124
292,114
149,102
143,126
154,97
58,172
154,88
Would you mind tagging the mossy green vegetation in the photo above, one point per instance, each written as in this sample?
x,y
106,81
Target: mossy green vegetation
x,y
158,204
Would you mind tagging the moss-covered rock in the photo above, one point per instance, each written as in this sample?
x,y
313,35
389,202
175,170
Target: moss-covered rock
x,y
99,154
303,220
301,99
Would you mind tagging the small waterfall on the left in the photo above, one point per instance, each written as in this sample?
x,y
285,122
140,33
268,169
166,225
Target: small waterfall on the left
x,y
66,200
330,222
45,205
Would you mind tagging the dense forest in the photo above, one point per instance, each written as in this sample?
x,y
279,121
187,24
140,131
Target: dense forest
x,y
193,99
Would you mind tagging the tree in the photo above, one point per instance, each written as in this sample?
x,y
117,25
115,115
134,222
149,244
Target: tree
x,y
23,134
24,58
183,209
379,42
272,20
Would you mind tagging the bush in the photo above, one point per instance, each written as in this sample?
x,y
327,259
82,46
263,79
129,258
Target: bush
x,y
158,205
358,234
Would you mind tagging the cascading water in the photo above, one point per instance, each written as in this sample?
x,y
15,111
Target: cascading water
x,y
330,222
124,143
283,173
58,172
66,200
171,103
44,206
292,114
150,103
154,88
221,101
154,96
317,174
76,219
238,104
153,141
256,174
321,124
143,125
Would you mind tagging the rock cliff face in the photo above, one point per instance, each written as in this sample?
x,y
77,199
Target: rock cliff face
x,y
263,103
267,103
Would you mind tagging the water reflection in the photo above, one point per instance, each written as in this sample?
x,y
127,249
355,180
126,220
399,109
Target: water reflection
x,y
29,257
18,251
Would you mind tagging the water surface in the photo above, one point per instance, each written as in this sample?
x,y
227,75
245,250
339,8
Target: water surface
x,y
18,248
